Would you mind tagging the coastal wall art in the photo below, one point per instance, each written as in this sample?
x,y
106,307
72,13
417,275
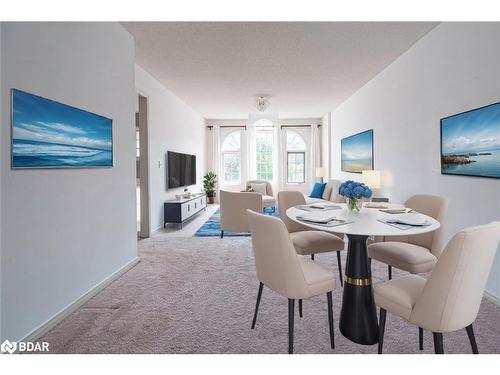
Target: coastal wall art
x,y
357,152
470,143
49,134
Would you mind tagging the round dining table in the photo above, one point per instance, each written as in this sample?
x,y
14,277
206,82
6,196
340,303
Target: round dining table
x,y
358,317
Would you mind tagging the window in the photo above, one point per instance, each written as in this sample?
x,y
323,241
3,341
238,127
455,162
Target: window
x,y
231,158
295,163
296,158
264,140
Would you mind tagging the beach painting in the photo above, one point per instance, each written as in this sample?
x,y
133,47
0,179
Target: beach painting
x,y
49,134
470,143
357,152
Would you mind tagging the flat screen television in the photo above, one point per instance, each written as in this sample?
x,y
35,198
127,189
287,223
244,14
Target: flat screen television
x,y
181,169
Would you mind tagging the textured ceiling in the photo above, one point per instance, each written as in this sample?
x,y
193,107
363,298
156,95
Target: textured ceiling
x,y
307,68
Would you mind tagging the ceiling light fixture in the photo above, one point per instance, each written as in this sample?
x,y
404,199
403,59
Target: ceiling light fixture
x,y
262,103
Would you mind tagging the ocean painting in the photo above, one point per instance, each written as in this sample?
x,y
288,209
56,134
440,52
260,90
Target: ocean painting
x,y
48,134
470,143
357,152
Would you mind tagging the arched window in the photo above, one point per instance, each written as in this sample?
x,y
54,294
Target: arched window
x,y
295,157
264,145
263,122
231,158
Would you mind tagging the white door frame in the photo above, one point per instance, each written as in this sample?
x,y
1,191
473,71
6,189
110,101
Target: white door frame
x,y
145,228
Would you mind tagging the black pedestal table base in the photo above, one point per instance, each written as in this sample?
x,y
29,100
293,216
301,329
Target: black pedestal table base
x,y
358,316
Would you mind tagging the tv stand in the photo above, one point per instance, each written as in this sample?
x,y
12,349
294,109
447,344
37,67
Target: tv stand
x,y
179,211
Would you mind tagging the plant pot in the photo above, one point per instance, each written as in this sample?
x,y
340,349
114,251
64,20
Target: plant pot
x,y
211,197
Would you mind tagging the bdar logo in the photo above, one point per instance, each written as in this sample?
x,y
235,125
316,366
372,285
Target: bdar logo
x,y
8,347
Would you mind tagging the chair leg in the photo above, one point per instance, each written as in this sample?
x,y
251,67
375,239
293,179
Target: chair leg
x,y
291,313
339,262
259,294
420,338
381,323
312,256
389,269
221,234
300,308
330,319
472,339
438,342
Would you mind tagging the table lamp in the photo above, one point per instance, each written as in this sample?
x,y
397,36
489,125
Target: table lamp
x,y
372,180
320,173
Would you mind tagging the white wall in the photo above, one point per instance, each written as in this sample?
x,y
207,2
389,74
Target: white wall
x,y
0,187
64,231
452,69
325,146
173,126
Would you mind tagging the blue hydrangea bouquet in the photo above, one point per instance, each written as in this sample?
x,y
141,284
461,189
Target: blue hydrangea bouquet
x,y
354,192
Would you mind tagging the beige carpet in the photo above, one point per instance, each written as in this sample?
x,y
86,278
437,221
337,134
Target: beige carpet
x,y
197,295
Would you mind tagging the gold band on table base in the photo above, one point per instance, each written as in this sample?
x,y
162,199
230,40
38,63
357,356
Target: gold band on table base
x,y
358,282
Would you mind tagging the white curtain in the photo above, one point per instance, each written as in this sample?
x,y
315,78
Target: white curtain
x,y
315,152
215,157
277,170
282,162
251,155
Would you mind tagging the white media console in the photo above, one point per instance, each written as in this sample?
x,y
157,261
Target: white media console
x,y
181,210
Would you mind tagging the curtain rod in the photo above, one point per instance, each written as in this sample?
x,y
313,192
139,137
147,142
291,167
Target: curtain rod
x,y
228,126
282,126
298,126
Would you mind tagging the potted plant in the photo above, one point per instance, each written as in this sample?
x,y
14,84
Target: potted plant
x,y
209,181
354,192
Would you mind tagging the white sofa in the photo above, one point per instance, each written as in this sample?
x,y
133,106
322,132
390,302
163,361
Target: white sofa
x,y
331,193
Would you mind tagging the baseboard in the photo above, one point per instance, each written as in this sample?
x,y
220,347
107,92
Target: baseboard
x,y
73,306
492,298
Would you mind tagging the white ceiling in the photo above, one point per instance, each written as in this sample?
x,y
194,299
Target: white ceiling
x,y
307,68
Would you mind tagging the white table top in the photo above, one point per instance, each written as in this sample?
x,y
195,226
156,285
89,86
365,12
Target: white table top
x,y
364,223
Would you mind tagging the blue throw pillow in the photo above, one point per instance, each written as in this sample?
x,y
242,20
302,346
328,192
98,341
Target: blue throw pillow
x,y
317,191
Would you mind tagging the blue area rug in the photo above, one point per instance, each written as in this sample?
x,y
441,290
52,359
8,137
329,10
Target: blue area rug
x,y
211,228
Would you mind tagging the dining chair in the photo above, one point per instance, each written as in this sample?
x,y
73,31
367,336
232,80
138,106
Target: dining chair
x,y
305,240
418,253
280,269
449,300
233,206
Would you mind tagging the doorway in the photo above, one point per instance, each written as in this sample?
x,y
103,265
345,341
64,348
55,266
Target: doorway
x,y
142,168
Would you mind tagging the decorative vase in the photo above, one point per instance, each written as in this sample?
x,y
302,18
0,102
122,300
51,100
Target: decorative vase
x,y
354,204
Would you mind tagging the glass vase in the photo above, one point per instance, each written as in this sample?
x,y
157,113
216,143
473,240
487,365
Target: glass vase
x,y
354,204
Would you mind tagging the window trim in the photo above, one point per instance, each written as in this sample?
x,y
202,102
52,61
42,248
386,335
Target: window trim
x,y
231,152
238,153
268,130
303,171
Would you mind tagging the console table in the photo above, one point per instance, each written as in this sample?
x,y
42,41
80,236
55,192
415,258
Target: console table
x,y
178,211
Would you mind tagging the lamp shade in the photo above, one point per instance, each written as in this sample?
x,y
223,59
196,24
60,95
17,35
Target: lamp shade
x,y
320,172
371,179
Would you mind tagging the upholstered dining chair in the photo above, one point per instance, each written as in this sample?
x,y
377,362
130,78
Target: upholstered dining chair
x,y
418,253
305,240
233,206
280,269
449,300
